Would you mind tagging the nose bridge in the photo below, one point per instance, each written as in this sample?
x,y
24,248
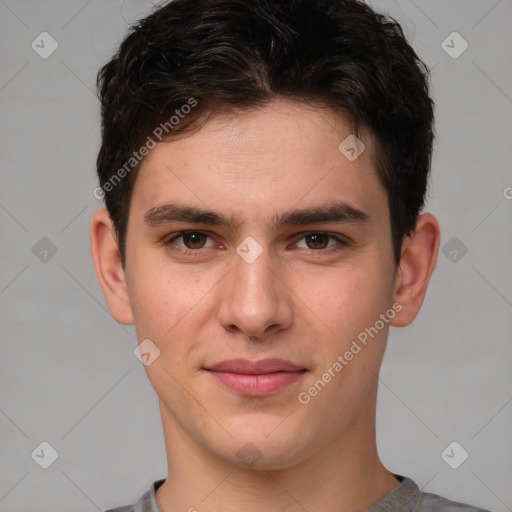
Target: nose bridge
x,y
253,274
254,299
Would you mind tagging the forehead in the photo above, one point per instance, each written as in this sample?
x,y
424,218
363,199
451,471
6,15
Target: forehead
x,y
254,160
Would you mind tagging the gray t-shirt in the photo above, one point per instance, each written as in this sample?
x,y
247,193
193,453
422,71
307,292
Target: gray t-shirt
x,y
405,498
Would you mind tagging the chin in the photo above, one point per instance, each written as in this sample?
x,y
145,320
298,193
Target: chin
x,y
260,451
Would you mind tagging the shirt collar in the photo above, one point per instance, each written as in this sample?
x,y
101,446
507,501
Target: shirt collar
x,y
400,499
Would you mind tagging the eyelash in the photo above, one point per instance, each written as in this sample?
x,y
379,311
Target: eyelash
x,y
341,242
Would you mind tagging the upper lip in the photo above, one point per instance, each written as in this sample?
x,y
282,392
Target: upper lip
x,y
261,367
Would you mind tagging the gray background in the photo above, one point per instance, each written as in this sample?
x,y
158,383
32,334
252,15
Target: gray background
x,y
68,373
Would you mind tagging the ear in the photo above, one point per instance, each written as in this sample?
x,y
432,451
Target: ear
x,y
107,262
417,262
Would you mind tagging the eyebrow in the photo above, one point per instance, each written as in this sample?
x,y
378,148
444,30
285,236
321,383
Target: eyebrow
x,y
328,213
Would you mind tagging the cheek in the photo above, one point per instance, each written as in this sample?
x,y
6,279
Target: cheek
x,y
167,301
150,297
346,300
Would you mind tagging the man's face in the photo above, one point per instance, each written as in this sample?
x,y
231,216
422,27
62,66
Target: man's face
x,y
315,285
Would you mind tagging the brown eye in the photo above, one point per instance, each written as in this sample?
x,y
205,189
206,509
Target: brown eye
x,y
194,240
322,243
317,240
189,242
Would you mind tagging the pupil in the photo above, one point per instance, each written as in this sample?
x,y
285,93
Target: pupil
x,y
193,239
318,239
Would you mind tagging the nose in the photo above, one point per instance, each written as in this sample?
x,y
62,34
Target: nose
x,y
255,299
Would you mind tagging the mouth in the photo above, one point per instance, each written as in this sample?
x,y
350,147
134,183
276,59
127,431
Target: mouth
x,y
256,378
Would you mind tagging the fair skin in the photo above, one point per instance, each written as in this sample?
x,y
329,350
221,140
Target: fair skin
x,y
304,300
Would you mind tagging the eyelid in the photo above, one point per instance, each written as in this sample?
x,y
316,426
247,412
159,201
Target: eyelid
x,y
338,236
178,234
341,240
341,243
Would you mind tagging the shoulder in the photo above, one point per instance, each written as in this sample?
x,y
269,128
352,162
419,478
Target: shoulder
x,y
407,497
428,502
146,503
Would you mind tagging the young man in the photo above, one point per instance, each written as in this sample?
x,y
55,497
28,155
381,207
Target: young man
x,y
264,166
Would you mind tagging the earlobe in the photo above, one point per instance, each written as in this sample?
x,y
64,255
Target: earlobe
x,y
109,270
418,261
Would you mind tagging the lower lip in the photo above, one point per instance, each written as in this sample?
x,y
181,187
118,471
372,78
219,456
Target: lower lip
x,y
257,385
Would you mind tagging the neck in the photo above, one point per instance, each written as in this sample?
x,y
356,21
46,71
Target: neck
x,y
345,474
